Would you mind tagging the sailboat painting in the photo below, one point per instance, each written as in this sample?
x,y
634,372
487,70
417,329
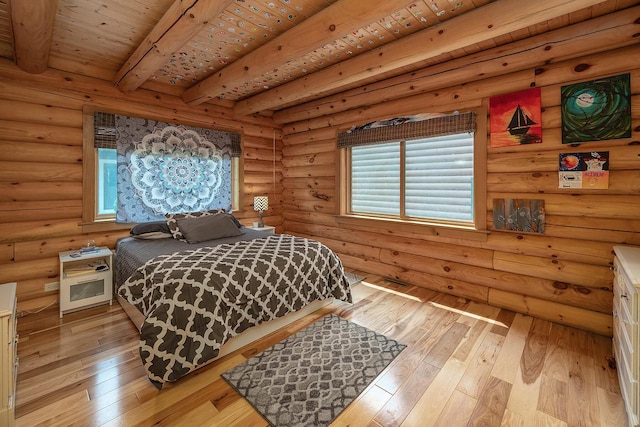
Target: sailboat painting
x,y
516,118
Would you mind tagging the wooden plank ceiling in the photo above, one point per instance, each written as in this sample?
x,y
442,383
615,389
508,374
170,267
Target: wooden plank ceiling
x,y
264,55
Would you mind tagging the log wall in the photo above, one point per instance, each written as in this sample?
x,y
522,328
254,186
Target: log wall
x,y
563,275
41,167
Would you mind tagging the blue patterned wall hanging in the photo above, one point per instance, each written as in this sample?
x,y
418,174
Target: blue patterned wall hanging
x,y
165,168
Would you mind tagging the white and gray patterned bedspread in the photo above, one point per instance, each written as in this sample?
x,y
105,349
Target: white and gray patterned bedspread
x,y
196,300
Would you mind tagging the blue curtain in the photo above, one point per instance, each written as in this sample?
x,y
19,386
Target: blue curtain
x,y
165,168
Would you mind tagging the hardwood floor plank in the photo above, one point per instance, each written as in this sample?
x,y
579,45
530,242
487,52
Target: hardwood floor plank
x,y
192,402
51,391
582,400
544,420
97,412
553,398
167,399
70,402
480,366
447,344
199,416
457,411
465,362
523,399
362,410
503,322
511,419
526,384
611,408
508,362
407,395
492,403
606,374
557,363
471,341
240,413
431,404
535,351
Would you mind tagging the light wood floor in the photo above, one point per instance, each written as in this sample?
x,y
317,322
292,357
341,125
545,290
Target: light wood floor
x,y
466,363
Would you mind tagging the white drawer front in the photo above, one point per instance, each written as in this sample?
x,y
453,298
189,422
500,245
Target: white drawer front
x,y
623,289
628,385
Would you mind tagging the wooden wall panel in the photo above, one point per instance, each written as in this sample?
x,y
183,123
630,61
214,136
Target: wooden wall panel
x,y
563,275
41,167
25,191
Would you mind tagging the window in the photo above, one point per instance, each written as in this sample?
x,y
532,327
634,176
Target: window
x,y
437,175
427,176
375,179
107,196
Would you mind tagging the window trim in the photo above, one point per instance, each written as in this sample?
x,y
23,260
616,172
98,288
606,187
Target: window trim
x,y
91,222
343,172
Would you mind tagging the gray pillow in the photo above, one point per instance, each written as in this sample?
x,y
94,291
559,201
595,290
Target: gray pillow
x,y
150,227
152,235
207,227
172,220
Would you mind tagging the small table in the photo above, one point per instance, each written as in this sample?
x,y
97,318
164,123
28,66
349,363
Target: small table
x,y
267,229
85,279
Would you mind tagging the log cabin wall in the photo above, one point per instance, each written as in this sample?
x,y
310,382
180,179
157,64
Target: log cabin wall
x,y
563,275
41,167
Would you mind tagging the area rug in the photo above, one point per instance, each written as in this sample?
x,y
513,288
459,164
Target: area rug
x,y
311,377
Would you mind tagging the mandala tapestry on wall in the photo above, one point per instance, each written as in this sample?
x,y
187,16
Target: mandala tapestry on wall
x,y
164,168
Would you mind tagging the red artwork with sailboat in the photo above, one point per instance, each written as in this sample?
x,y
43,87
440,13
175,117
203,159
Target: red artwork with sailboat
x,y
516,118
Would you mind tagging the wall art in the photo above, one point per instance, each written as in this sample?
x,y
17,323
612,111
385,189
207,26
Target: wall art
x,y
584,170
165,168
516,118
526,215
596,110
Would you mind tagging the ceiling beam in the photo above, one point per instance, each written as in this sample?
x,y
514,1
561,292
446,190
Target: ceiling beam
x,y
490,21
32,26
183,20
326,26
599,34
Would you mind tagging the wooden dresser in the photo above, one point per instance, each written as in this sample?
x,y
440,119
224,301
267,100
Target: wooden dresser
x,y
626,333
8,353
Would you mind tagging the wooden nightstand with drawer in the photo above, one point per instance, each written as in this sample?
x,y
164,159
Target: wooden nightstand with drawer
x,y
85,279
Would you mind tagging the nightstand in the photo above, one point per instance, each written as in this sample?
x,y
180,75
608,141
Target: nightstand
x,y
85,279
267,229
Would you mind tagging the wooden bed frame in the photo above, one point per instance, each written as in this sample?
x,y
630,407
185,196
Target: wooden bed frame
x,y
250,335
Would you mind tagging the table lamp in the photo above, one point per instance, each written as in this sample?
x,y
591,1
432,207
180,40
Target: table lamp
x,y
260,204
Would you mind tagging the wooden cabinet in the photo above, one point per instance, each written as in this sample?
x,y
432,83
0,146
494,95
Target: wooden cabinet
x,y
626,333
8,353
85,279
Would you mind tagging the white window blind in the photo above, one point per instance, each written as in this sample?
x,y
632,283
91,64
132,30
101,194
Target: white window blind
x,y
439,178
375,179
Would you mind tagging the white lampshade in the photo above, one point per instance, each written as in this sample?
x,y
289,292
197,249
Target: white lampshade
x,y
260,203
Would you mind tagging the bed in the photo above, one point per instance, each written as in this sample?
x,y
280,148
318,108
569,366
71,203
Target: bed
x,y
189,299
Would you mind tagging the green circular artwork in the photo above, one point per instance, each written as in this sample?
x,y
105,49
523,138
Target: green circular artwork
x,y
597,110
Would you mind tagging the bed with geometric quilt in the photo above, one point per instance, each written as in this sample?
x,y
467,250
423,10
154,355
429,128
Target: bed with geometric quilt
x,y
194,298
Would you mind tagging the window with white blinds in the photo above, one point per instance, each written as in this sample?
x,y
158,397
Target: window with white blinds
x,y
439,178
375,179
424,179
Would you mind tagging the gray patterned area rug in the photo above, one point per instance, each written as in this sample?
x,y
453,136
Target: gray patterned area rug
x,y
311,377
